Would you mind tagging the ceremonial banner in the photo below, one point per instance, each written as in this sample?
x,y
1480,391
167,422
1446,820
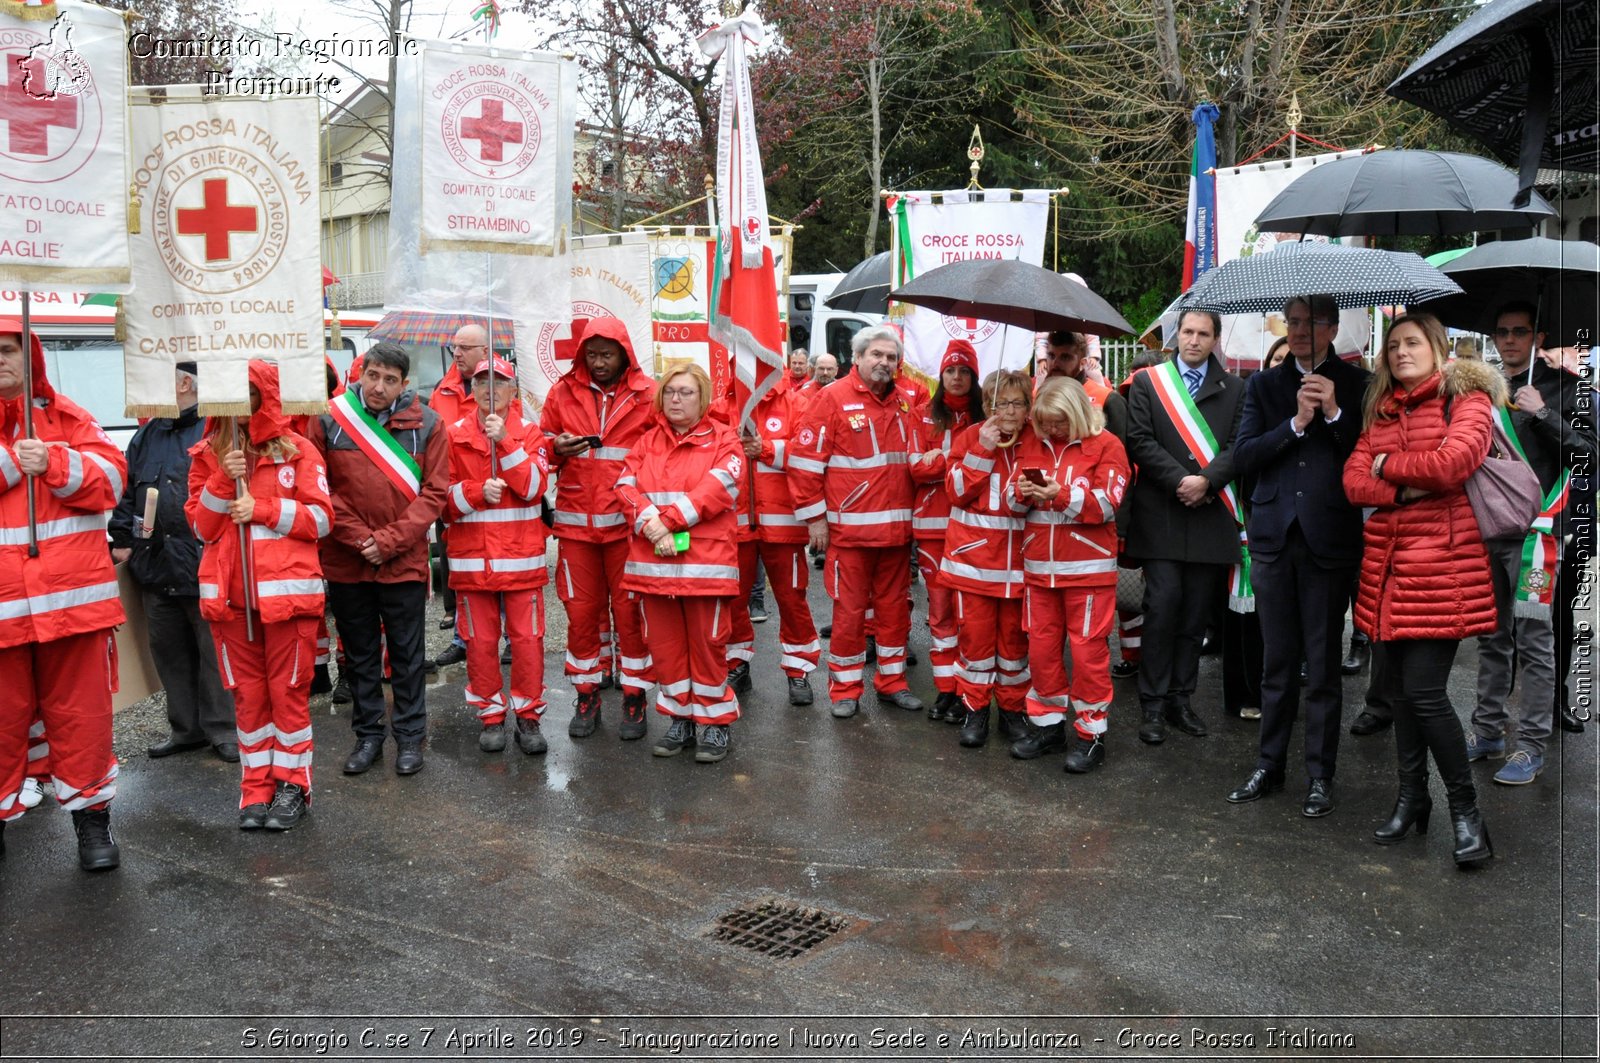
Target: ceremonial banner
x,y
1242,193
931,229
63,149
1200,228
610,277
229,255
492,149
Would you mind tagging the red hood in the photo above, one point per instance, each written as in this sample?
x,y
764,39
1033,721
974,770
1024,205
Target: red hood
x,y
333,376
609,328
41,381
268,422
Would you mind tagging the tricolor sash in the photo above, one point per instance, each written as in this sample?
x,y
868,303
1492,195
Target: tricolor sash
x,y
1174,397
1534,590
350,413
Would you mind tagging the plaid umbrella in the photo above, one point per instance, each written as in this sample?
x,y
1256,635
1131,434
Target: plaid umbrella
x,y
425,328
1353,276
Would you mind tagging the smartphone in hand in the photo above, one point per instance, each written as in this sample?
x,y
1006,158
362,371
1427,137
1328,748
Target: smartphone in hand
x,y
1034,476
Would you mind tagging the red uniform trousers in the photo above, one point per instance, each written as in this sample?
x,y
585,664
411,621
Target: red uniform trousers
x,y
788,577
994,652
480,627
688,637
941,615
271,683
38,751
1130,631
1079,617
856,578
324,642
588,581
65,683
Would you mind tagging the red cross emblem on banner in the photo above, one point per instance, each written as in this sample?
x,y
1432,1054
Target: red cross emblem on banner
x,y
970,324
29,119
492,130
216,221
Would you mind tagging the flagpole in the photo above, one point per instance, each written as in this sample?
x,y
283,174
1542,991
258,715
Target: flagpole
x,y
247,570
27,417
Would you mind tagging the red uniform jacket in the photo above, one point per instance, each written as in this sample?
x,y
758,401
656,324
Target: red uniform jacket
x,y
587,508
452,397
983,543
691,482
71,587
1424,568
497,547
851,460
766,506
1071,541
930,512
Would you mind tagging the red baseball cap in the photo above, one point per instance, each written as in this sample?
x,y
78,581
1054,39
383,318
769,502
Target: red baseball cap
x,y
500,366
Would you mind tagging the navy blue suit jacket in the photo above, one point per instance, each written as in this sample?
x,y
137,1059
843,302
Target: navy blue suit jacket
x,y
1301,478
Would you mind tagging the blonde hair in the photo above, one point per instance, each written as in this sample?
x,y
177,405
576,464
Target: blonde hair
x,y
1383,382
702,381
1064,399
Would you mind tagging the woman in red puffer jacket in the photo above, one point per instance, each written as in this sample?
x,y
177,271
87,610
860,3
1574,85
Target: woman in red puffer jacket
x,y
1425,582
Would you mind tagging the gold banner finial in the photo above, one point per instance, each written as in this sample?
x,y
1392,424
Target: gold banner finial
x,y
975,153
1295,114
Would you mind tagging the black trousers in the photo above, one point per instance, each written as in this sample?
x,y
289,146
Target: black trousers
x,y
1241,661
199,707
1180,599
1301,605
369,615
1425,721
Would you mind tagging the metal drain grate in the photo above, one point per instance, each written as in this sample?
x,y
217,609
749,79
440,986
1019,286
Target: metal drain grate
x,y
778,929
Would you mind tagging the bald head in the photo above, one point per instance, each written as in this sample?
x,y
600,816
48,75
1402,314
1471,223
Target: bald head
x,y
471,346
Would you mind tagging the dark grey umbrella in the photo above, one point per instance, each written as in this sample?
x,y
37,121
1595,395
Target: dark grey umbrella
x,y
1013,293
1401,193
1353,276
865,289
1520,77
1561,278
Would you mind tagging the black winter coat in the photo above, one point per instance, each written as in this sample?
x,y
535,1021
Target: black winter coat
x,y
158,456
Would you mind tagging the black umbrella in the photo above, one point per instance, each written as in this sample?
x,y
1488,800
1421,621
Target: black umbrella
x,y
1519,76
865,289
1404,193
1352,276
1013,293
1559,277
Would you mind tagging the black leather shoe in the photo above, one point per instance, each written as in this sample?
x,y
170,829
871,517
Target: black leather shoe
x,y
1039,741
800,690
227,752
1356,659
902,699
341,691
1124,670
1569,721
1369,723
168,747
253,817
452,654
1472,838
1087,755
633,726
975,729
408,758
447,622
361,758
1152,728
1183,718
739,678
1260,783
97,849
826,630
947,702
1319,799
1013,725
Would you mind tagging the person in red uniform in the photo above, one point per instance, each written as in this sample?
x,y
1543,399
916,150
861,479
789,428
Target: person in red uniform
x,y
452,400
679,489
771,533
955,404
267,660
57,609
849,469
1069,563
497,554
982,563
592,417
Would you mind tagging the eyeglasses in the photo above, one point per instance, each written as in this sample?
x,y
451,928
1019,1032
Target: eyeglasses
x,y
1300,322
472,346
1011,404
680,393
1519,332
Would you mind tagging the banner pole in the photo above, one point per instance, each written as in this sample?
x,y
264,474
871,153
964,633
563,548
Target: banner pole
x,y
27,416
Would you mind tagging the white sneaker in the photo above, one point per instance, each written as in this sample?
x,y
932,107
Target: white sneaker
x,y
32,793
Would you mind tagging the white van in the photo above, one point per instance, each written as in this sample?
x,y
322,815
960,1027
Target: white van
x,y
816,327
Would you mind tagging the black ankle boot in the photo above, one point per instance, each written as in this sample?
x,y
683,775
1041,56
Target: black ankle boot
x,y
1153,728
1411,809
97,849
975,729
1472,838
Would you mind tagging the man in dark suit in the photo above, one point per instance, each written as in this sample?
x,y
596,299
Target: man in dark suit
x,y
1301,421
1178,528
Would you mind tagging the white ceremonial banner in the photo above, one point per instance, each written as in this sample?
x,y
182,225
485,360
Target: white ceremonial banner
x,y
491,149
610,277
63,149
229,255
494,280
1242,193
932,229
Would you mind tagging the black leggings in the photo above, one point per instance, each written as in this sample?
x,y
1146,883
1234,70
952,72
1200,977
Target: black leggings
x,y
1418,671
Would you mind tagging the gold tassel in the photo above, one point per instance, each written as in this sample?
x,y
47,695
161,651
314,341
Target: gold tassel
x,y
335,337
119,327
135,208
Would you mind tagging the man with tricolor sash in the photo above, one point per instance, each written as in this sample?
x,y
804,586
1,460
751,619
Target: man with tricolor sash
x,y
1554,435
388,476
1301,420
1185,520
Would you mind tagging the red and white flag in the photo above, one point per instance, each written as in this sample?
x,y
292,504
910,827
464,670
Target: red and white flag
x,y
746,290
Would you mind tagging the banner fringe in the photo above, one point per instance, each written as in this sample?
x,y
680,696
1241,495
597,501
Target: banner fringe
x,y
1237,604
311,408
225,409
153,409
1531,610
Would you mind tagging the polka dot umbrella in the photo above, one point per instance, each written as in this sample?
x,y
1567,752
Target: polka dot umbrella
x,y
1353,276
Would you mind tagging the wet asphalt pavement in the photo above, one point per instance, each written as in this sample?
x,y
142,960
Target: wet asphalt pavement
x,y
562,906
